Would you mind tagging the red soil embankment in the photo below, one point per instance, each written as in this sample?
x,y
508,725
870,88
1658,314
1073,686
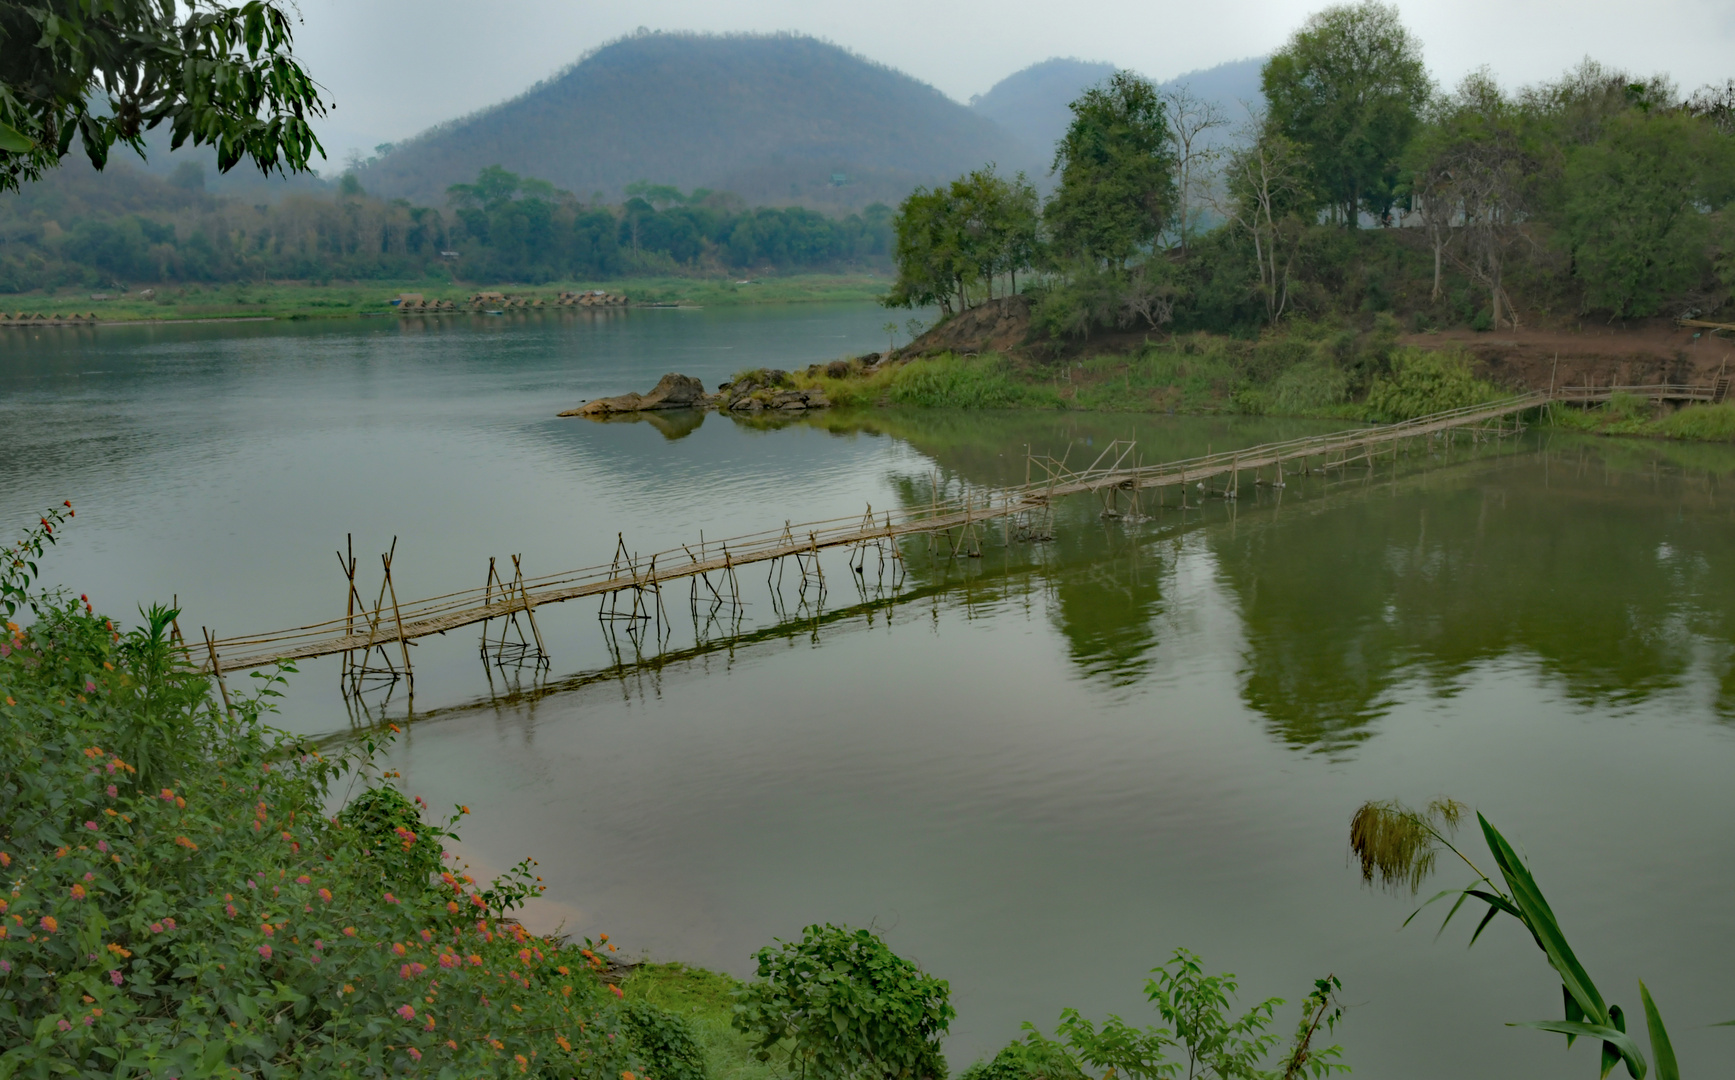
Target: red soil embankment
x,y
1637,355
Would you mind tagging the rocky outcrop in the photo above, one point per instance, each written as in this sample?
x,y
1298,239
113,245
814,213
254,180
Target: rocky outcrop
x,y
768,389
671,392
765,390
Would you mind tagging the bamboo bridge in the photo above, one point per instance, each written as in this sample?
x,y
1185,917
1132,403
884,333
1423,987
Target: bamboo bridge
x,y
385,628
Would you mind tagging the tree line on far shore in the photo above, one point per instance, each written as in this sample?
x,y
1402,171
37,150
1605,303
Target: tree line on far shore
x,y
1360,187
80,228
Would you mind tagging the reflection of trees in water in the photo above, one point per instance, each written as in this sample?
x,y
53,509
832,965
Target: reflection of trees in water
x,y
1107,591
1604,579
1594,562
1104,589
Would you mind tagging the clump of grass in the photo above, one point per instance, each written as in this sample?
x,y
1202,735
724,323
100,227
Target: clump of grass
x,y
940,382
706,1001
1424,381
1701,423
1574,419
1189,374
1629,414
948,382
1309,388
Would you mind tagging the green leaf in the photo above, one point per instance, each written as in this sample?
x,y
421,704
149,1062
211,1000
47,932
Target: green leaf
x,y
1539,917
13,141
1623,1043
1660,1045
1483,925
1610,1055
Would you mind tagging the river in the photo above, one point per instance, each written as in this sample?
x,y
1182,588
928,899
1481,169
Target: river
x,y
1038,771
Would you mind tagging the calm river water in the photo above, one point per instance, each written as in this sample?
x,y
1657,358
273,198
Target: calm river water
x,y
1038,771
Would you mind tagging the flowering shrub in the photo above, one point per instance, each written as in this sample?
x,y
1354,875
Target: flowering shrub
x,y
175,902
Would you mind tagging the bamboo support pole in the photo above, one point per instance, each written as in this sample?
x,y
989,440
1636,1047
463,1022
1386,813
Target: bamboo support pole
x,y
217,669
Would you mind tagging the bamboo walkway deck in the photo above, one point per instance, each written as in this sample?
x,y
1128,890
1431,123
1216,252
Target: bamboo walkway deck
x,y
389,622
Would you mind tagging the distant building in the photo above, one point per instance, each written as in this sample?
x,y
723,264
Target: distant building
x,y
838,179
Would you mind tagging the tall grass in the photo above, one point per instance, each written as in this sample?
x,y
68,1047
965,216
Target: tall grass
x,y
942,382
1425,381
706,1001
1704,423
1628,414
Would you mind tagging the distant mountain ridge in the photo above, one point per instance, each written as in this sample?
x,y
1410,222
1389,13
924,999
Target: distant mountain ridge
x,y
776,119
1032,103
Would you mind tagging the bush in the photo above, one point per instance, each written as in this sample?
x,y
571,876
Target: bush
x,y
1423,382
1034,1058
846,1008
179,904
664,1042
1198,1026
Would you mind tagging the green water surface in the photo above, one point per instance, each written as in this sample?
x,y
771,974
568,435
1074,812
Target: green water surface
x,y
1038,770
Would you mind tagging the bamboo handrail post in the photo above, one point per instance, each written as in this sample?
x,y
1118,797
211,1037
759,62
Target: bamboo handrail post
x,y
217,670
403,640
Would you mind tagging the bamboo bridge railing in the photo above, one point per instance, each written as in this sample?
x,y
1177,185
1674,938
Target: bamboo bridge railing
x,y
391,622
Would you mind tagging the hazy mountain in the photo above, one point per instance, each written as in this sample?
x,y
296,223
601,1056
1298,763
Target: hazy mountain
x,y
771,118
1032,103
1229,85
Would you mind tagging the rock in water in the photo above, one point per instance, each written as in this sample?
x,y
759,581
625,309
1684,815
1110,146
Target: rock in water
x,y
671,392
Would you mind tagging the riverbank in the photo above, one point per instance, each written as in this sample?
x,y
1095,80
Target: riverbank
x,y
1201,383
349,300
988,357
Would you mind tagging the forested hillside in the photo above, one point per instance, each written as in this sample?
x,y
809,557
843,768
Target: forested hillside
x,y
778,120
1601,195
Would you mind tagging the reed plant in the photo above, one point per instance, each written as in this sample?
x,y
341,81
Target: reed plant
x,y
1398,847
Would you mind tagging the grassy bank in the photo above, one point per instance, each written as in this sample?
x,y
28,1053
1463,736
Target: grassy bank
x,y
1350,377
705,1000
1634,416
341,300
1309,372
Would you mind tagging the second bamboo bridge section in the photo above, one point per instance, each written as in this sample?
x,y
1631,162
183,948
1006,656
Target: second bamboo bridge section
x,y
374,637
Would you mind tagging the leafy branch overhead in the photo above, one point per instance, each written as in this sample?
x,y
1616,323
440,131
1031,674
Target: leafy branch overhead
x,y
103,73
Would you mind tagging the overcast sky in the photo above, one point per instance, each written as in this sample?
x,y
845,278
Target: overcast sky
x,y
395,67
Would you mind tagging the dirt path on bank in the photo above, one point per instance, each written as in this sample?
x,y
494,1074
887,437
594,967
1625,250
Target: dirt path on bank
x,y
1634,355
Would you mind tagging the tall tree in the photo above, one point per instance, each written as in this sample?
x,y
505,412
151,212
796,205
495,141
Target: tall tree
x,y
1117,173
928,250
997,221
1716,104
1348,90
1269,199
105,71
1191,120
966,234
1472,173
1636,208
